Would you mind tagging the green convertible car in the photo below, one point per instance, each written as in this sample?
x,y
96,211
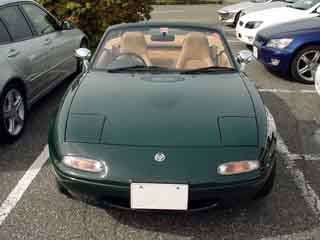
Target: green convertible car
x,y
162,118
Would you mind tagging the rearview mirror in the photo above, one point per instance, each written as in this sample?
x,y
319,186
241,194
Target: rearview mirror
x,y
244,57
84,55
317,79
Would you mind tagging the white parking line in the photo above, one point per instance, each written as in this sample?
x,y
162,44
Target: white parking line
x,y
307,235
167,11
273,90
234,41
9,204
307,191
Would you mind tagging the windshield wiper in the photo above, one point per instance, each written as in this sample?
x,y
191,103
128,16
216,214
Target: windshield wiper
x,y
208,70
136,68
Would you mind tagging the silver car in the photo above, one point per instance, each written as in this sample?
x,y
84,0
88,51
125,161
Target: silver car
x,y
230,14
273,4
36,55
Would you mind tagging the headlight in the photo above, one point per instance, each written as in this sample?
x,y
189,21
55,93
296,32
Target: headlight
x,y
84,164
279,43
253,25
232,168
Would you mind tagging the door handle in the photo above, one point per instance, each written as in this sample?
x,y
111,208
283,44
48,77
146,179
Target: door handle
x,y
47,41
13,53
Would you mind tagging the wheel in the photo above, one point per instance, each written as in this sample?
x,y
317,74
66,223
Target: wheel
x,y
305,63
236,19
268,186
12,113
83,44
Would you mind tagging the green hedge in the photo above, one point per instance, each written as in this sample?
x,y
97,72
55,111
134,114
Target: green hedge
x,y
94,16
163,2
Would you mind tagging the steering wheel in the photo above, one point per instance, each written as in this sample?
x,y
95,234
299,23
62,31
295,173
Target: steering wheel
x,y
130,58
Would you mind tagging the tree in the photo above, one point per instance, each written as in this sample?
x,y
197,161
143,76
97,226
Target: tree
x,y
94,16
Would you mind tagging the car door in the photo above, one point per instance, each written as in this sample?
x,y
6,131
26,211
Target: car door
x,y
25,54
46,25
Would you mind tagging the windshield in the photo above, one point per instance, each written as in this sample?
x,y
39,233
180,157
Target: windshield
x,y
162,50
304,4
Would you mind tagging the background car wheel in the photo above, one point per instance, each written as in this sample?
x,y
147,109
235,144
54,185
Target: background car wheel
x,y
236,19
84,44
12,113
305,63
268,186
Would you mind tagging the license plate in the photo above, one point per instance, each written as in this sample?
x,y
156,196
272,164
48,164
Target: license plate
x,y
159,196
255,52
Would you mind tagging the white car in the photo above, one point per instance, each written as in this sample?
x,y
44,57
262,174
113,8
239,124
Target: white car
x,y
249,25
230,14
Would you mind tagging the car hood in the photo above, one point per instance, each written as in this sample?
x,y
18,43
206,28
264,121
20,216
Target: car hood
x,y
237,7
305,25
264,6
276,15
162,110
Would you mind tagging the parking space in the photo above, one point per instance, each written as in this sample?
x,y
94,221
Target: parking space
x,y
292,211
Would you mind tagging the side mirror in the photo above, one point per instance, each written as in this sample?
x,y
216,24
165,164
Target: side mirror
x,y
84,55
317,79
318,10
244,57
67,25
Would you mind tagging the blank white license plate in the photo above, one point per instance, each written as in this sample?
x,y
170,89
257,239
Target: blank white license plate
x,y
159,196
255,52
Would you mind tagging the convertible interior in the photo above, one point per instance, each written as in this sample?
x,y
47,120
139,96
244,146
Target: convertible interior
x,y
180,51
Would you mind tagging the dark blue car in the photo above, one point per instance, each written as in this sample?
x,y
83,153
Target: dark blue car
x,y
291,48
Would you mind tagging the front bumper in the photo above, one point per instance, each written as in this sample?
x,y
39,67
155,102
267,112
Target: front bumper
x,y
201,197
275,59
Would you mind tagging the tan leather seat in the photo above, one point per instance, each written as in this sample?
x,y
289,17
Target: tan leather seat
x,y
135,42
196,52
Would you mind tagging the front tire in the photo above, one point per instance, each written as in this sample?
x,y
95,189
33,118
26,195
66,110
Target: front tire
x,y
304,64
268,186
12,113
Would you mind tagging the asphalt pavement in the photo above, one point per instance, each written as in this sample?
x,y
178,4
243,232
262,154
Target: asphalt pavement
x,y
292,211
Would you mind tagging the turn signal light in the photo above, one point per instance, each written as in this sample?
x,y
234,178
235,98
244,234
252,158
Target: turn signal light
x,y
232,168
84,164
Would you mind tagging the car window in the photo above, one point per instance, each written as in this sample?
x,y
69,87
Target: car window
x,y
162,49
304,4
4,35
16,23
42,21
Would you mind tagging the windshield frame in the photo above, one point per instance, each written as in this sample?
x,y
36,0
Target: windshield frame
x,y
142,26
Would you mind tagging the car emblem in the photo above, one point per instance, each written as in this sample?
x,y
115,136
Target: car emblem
x,y
160,157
